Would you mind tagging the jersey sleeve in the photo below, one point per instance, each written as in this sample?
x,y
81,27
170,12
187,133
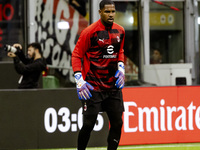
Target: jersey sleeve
x,y
121,51
79,51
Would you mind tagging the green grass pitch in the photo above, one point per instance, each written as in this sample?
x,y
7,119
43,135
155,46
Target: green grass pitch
x,y
183,146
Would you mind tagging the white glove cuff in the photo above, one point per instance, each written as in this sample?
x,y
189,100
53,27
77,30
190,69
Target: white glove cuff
x,y
79,79
121,67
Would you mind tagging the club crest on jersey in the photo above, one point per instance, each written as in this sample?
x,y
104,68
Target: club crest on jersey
x,y
110,49
118,39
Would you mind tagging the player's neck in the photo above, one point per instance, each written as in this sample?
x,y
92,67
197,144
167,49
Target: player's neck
x,y
106,24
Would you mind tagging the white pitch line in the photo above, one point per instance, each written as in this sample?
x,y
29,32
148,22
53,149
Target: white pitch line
x,y
158,146
142,147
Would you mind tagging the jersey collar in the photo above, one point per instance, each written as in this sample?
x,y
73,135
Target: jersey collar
x,y
102,26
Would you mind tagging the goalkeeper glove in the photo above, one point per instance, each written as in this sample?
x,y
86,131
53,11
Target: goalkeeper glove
x,y
83,87
120,76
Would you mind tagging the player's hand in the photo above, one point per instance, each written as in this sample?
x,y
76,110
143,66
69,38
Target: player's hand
x,y
120,76
83,87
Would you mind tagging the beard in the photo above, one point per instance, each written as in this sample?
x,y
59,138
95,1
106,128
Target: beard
x,y
32,56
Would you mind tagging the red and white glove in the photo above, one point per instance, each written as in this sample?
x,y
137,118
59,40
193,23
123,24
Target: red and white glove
x,y
83,87
120,76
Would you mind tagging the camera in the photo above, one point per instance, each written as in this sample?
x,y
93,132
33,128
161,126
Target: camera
x,y
9,48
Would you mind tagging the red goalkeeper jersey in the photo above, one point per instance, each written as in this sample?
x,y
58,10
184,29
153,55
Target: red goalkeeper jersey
x,y
97,53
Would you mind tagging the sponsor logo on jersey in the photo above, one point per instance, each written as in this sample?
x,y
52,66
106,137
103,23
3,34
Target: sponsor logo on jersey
x,y
110,51
109,56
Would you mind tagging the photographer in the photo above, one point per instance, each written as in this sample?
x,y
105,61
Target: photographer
x,y
31,66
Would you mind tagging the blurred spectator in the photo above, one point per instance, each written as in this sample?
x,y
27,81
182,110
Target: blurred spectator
x,y
156,57
31,67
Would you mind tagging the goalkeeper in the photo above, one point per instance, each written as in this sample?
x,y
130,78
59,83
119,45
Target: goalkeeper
x,y
97,62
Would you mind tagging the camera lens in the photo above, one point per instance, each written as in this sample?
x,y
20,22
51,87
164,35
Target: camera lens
x,y
9,48
5,47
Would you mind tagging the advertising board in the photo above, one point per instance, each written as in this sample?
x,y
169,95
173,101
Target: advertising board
x,y
161,115
52,118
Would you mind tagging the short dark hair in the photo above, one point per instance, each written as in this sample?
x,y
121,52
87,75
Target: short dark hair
x,y
105,2
36,46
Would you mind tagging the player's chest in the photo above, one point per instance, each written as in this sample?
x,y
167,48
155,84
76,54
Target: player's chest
x,y
106,37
